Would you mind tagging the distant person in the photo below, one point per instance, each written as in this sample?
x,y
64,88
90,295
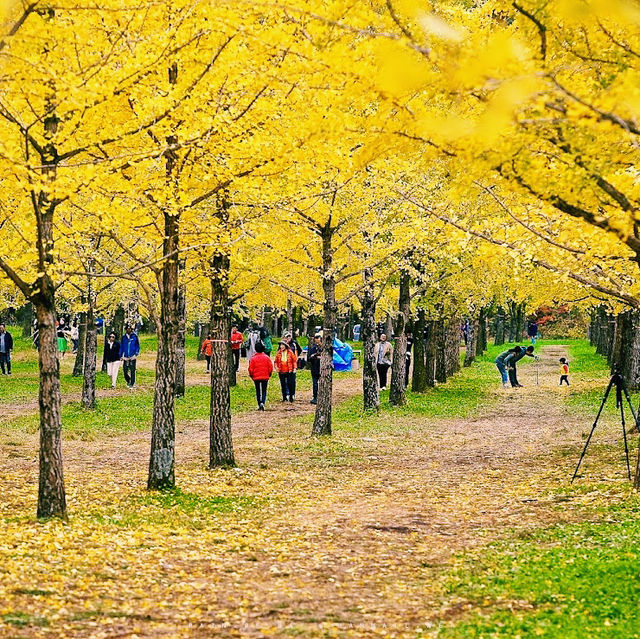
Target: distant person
x,y
75,337
6,346
564,371
292,343
266,340
252,341
313,359
408,357
260,369
286,362
383,354
207,351
61,337
129,351
112,357
532,331
237,340
512,359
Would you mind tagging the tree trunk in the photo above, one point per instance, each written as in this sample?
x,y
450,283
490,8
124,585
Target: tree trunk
x,y
397,390
51,491
181,341
440,338
513,321
27,320
162,458
78,366
421,331
520,322
472,343
481,346
498,339
452,339
389,327
90,351
290,326
322,420
368,335
220,441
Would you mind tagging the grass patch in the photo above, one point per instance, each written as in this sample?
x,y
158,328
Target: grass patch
x,y
173,508
577,580
22,619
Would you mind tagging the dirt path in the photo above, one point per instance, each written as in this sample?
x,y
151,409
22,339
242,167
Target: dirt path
x,y
352,532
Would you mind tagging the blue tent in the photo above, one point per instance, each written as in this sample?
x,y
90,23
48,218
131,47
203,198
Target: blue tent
x,y
342,355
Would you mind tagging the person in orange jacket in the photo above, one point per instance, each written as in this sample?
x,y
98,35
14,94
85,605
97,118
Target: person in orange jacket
x,y
260,369
237,339
207,349
286,364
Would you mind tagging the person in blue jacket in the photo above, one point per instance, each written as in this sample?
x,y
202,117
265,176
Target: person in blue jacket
x,y
510,362
129,351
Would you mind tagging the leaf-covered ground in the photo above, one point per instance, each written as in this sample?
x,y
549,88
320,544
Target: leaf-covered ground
x,y
451,517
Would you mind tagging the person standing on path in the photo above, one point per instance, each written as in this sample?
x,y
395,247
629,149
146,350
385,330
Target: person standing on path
x,y
237,339
265,337
207,350
564,371
75,336
511,360
313,358
6,346
260,369
61,337
286,363
252,341
112,357
129,351
383,354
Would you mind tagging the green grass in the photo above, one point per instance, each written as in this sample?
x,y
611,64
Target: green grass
x,y
570,581
469,393
172,507
589,368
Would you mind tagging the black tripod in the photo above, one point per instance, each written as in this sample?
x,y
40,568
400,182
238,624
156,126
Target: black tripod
x,y
616,380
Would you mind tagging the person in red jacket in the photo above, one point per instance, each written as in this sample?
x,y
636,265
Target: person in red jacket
x,y
286,364
260,369
207,349
237,339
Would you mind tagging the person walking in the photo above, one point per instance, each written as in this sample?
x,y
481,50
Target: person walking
x,y
260,369
532,331
564,371
313,359
207,350
75,336
265,337
112,357
61,337
383,354
513,358
252,341
237,339
286,363
129,351
6,346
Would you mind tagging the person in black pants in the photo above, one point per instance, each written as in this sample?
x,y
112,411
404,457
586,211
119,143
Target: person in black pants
x,y
313,359
6,346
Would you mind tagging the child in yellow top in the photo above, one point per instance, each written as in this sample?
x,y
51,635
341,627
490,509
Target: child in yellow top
x,y
564,371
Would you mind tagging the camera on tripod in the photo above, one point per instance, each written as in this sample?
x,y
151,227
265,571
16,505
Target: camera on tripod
x,y
616,380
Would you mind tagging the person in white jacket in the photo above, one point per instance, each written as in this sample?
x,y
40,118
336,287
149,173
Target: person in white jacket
x,y
383,353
